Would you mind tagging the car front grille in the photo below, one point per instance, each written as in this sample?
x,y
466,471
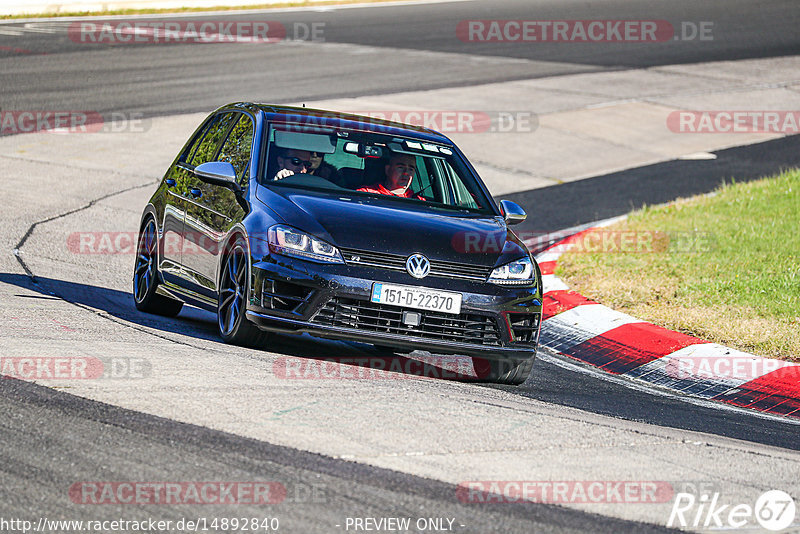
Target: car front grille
x,y
397,262
372,317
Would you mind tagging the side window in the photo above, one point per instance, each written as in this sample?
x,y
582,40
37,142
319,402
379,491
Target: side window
x,y
463,197
421,183
455,190
207,148
238,146
187,154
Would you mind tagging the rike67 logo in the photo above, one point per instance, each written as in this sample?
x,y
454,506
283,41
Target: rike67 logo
x,y
774,510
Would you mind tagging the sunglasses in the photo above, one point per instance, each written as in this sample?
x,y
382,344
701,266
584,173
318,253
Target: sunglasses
x,y
298,161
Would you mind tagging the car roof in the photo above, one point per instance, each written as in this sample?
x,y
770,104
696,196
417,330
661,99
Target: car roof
x,y
335,119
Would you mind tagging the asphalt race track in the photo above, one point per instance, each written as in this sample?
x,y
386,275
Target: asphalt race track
x,y
199,410
399,49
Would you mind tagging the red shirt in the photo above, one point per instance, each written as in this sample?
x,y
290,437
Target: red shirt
x,y
381,190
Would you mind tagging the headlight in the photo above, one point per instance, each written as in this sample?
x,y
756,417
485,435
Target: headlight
x,y
286,240
518,272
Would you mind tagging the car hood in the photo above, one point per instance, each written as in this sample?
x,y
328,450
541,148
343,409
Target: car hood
x,y
385,225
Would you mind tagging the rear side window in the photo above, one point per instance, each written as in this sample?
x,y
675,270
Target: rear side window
x,y
238,146
187,154
206,149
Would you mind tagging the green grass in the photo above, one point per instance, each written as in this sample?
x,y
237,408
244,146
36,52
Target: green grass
x,y
301,3
725,267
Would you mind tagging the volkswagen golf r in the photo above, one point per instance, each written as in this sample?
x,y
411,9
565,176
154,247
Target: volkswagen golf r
x,y
246,224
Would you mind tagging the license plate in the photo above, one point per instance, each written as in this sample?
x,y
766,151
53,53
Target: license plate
x,y
418,298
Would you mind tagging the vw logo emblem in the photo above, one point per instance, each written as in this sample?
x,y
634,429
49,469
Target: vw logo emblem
x,y
418,266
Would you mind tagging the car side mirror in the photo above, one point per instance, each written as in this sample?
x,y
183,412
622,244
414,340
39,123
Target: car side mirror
x,y
512,212
217,173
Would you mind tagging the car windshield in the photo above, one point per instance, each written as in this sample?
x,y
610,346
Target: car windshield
x,y
372,164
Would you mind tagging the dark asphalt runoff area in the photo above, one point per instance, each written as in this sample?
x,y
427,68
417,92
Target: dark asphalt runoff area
x,y
413,48
602,197
50,439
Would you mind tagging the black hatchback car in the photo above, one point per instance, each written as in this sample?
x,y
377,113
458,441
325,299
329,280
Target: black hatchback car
x,y
294,220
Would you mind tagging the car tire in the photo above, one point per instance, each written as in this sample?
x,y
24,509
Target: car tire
x,y
234,288
510,372
145,275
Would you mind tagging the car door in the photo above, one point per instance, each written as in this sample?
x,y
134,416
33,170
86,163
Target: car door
x,y
176,184
211,209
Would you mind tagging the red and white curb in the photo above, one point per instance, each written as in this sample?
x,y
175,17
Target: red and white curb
x,y
620,344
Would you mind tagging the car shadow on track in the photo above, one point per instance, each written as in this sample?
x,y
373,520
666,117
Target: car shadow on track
x,y
117,304
300,356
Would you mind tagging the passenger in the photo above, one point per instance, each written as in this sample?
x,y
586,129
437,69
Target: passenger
x,y
399,172
323,169
291,161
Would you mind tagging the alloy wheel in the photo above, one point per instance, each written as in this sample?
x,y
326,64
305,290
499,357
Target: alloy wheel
x,y
232,290
145,262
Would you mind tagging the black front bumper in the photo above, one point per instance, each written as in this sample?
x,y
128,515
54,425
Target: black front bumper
x,y
333,301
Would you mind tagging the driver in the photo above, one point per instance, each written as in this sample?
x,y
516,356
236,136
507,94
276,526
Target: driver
x,y
291,161
400,170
